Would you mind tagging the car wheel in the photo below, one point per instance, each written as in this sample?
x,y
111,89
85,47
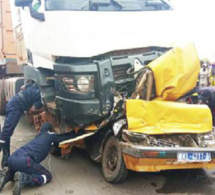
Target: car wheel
x,y
113,166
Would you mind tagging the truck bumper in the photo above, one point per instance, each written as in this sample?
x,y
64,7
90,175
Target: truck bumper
x,y
155,159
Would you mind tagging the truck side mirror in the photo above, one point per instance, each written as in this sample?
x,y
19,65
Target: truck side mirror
x,y
23,3
36,15
34,12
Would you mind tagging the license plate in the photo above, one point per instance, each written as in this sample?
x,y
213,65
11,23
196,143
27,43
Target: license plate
x,y
194,156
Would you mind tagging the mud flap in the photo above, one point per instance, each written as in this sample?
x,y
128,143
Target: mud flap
x,y
2,98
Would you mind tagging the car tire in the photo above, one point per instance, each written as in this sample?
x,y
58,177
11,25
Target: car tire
x,y
113,166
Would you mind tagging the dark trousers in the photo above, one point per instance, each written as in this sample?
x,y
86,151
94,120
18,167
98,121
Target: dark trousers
x,y
23,163
13,115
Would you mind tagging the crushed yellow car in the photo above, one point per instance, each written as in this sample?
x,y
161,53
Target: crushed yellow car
x,y
162,134
166,135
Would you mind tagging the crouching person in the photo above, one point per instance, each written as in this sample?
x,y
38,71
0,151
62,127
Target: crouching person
x,y
28,98
24,164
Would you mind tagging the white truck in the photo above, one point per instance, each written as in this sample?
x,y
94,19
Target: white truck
x,y
71,43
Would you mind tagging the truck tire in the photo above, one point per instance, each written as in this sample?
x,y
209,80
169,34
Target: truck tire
x,y
2,98
113,166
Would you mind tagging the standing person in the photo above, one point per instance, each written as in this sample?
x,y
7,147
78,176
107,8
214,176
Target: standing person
x,y
204,76
28,98
24,164
212,74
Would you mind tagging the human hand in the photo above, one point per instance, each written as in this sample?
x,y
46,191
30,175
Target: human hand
x,y
22,88
32,109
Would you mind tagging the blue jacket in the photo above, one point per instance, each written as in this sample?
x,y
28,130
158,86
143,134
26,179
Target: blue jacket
x,y
29,97
39,148
207,95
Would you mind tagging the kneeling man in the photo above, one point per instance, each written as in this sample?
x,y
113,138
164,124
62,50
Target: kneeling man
x,y
24,164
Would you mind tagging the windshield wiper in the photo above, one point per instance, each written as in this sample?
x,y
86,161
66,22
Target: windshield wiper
x,y
95,4
165,4
116,4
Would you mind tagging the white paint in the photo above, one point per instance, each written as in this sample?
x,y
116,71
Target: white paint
x,y
86,33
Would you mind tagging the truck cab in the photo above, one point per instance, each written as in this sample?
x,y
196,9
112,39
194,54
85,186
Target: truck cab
x,y
85,48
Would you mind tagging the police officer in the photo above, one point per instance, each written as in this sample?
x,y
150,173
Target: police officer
x,y
24,164
206,95
28,98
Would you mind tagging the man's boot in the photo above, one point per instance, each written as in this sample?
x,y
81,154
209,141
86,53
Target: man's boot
x,y
21,179
6,153
4,177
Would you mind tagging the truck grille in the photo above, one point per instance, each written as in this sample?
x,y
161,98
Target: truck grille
x,y
120,72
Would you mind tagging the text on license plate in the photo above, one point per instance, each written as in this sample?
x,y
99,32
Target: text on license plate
x,y
194,156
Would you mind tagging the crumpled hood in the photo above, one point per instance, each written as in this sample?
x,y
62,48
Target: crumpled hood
x,y
176,72
163,117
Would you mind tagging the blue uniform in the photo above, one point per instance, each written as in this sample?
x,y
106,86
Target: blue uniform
x,y
17,105
207,94
27,159
14,110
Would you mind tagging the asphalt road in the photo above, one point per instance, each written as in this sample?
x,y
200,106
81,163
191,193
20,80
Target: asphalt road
x,y
79,175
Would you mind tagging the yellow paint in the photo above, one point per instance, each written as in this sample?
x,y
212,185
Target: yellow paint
x,y
159,117
176,72
66,149
156,165
91,128
212,80
65,146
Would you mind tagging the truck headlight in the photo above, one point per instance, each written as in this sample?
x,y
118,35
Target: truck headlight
x,y
78,83
84,84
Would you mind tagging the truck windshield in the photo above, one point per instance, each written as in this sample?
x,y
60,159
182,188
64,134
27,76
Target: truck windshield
x,y
108,5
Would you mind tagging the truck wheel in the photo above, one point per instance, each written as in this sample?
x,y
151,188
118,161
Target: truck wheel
x,y
2,98
113,166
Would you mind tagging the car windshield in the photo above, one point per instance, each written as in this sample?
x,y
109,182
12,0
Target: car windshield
x,y
108,5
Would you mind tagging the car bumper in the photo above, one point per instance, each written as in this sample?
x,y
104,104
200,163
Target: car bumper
x,y
155,159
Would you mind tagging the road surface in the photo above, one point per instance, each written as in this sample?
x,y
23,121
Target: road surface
x,y
79,175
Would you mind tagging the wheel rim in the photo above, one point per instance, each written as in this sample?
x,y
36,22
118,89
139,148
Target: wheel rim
x,y
112,159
